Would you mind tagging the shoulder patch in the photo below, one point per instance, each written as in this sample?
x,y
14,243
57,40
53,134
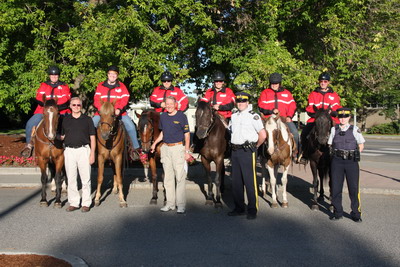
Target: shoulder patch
x,y
256,117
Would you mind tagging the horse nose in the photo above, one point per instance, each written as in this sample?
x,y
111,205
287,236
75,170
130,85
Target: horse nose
x,y
201,134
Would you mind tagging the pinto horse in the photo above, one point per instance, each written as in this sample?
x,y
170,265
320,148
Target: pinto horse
x,y
279,148
49,151
317,151
110,146
148,132
212,130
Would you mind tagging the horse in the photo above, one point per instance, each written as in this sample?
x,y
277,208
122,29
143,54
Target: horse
x,y
279,146
317,151
49,151
110,146
211,128
148,132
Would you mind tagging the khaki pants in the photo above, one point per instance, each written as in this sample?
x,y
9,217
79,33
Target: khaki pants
x,y
173,160
78,159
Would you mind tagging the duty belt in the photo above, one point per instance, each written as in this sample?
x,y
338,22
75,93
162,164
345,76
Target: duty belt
x,y
346,154
244,146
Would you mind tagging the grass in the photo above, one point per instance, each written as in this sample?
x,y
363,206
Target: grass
x,y
12,131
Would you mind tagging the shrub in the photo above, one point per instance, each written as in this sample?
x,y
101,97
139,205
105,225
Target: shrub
x,y
385,128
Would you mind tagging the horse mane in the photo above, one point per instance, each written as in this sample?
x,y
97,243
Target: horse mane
x,y
144,118
50,103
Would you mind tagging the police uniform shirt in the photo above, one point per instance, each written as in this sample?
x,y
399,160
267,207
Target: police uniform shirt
x,y
356,132
245,126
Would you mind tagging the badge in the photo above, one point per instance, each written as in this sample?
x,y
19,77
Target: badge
x,y
285,95
256,117
331,97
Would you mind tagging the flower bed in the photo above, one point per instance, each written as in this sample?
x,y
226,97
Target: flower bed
x,y
15,161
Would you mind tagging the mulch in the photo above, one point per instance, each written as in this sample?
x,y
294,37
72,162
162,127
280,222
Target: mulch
x,y
11,145
31,260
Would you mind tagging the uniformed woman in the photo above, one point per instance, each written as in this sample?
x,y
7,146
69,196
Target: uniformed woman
x,y
248,133
346,144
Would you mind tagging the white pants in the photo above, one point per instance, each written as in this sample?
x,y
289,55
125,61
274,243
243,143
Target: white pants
x,y
78,159
173,160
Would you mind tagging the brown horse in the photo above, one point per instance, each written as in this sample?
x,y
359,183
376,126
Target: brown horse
x,y
279,146
212,130
110,146
148,132
49,150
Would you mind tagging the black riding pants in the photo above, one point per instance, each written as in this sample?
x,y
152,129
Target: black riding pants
x,y
339,169
244,174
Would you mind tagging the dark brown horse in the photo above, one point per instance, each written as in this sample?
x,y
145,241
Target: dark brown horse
x,y
49,150
110,146
212,130
148,132
317,151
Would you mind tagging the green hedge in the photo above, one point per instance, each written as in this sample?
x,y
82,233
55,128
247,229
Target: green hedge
x,y
385,128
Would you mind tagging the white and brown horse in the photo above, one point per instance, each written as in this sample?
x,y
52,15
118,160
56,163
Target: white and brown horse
x,y
279,147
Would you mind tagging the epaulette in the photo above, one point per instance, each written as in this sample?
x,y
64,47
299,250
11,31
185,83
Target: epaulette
x,y
252,112
235,111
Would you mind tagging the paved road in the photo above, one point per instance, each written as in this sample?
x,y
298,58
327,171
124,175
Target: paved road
x,y
379,150
141,235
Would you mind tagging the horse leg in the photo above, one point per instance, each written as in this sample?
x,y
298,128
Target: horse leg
x,y
42,165
321,175
100,177
207,167
285,202
115,178
263,188
272,178
222,183
218,177
154,178
313,166
59,162
118,180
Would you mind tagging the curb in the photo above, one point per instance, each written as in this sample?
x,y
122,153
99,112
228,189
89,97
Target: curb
x,y
71,259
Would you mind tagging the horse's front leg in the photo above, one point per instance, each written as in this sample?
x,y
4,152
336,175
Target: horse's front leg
x,y
58,179
285,202
218,178
264,173
100,177
118,181
272,177
314,170
44,178
154,178
207,167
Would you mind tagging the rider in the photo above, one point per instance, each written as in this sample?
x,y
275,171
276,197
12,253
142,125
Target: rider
x,y
160,93
322,97
110,90
276,99
52,88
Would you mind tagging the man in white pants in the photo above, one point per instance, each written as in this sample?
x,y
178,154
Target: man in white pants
x,y
79,135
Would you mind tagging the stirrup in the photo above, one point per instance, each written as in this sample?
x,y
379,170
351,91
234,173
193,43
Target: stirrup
x,y
27,151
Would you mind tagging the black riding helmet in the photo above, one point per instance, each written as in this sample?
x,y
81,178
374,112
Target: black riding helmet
x,y
113,68
324,76
166,76
53,70
218,76
275,78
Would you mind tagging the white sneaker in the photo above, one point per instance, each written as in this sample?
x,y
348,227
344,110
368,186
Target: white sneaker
x,y
167,208
180,210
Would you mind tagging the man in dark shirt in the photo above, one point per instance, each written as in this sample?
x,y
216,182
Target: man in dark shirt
x,y
175,133
79,135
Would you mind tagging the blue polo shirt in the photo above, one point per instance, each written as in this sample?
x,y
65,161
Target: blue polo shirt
x,y
173,127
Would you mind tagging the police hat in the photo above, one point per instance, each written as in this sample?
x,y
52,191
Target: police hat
x,y
242,97
343,112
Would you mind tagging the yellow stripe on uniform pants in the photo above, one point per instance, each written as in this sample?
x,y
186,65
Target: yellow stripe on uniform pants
x,y
253,163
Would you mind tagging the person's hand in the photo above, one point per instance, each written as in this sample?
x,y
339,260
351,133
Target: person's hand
x,y
216,107
91,158
187,156
275,111
288,119
117,112
163,104
153,148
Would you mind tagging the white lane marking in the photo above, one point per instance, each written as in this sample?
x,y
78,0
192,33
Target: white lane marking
x,y
381,151
370,154
389,148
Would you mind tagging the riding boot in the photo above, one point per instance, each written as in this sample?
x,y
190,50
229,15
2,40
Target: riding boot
x,y
27,150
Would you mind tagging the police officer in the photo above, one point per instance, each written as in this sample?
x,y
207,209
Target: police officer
x,y
248,133
346,144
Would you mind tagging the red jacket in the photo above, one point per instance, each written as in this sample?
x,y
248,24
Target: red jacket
x,y
225,98
59,90
323,100
281,99
109,93
160,93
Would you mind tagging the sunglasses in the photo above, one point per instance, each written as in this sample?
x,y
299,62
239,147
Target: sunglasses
x,y
323,81
167,81
76,105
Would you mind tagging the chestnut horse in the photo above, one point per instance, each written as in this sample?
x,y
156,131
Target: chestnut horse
x,y
148,131
212,130
279,146
110,146
49,151
317,151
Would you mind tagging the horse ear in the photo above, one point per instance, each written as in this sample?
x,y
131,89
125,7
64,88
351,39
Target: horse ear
x,y
315,108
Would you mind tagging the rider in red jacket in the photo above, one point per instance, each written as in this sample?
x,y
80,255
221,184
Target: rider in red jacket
x,y
159,94
322,97
221,98
276,99
53,88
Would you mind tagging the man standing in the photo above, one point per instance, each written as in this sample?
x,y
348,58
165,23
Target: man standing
x,y
175,133
160,93
347,142
248,134
79,137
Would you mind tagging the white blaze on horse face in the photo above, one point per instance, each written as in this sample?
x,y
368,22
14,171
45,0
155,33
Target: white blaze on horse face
x,y
270,126
51,116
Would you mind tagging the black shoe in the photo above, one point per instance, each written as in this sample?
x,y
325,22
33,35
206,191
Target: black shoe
x,y
251,216
336,218
236,213
357,220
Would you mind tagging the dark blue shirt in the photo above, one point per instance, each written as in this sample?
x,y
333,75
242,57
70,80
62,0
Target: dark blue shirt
x,y
174,127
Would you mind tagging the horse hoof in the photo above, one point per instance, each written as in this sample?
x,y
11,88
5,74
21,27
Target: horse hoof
x,y
115,191
209,202
331,208
123,205
44,204
320,199
96,203
314,207
218,205
274,205
57,205
285,205
153,201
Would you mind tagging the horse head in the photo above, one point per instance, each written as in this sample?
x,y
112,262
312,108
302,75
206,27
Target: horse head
x,y
50,117
323,124
107,119
204,119
147,125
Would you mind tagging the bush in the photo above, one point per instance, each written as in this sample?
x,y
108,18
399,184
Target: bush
x,y
385,128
